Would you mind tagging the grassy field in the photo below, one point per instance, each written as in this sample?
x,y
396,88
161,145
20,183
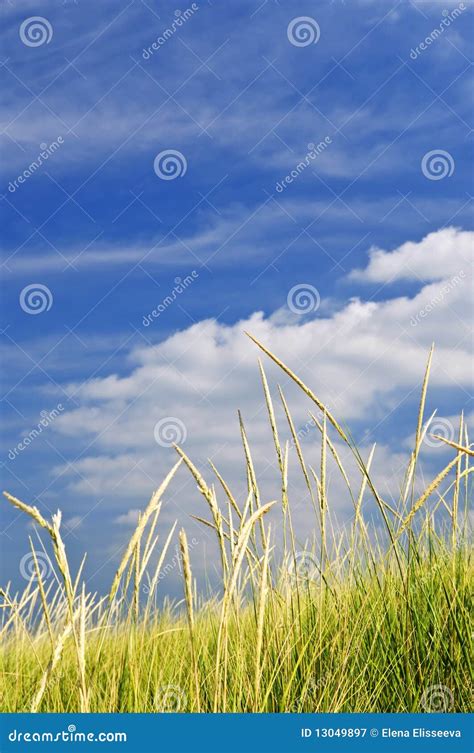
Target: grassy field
x,y
357,623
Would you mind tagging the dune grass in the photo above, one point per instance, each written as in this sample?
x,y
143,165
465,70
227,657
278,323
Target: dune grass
x,y
359,622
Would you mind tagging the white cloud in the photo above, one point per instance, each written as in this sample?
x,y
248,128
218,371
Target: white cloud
x,y
438,256
129,518
363,361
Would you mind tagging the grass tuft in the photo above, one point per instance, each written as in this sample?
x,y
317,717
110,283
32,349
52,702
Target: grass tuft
x,y
360,621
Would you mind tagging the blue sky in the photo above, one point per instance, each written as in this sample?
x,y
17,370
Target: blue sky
x,y
376,223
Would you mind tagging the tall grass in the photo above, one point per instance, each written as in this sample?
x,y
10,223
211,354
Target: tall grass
x,y
359,622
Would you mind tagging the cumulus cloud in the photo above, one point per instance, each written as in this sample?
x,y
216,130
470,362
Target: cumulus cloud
x,y
129,518
439,255
363,361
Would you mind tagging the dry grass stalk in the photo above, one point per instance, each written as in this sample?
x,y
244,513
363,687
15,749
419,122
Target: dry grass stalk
x,y
457,445
53,529
258,647
210,497
418,504
276,439
44,600
262,600
297,446
303,386
45,679
188,592
153,506
240,550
